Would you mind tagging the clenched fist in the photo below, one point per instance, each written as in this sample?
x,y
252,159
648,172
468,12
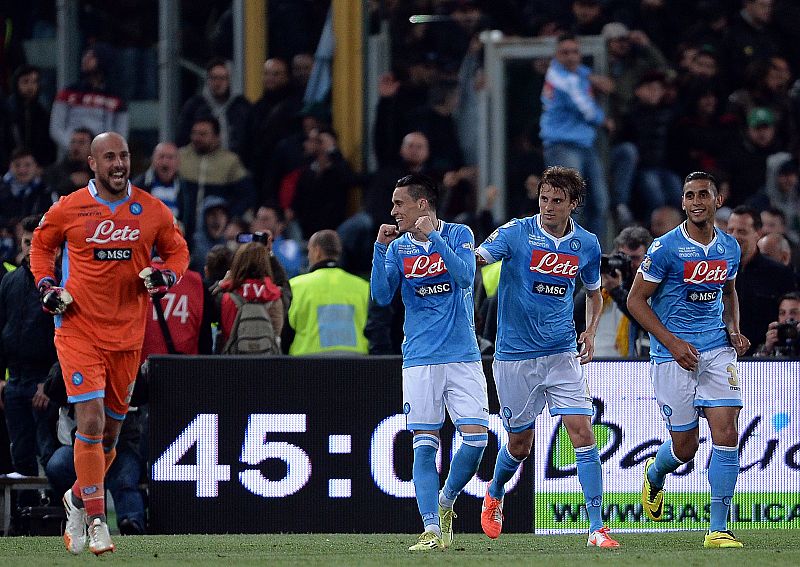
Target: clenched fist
x,y
387,233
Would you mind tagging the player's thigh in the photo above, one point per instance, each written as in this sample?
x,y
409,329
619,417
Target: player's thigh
x,y
423,397
520,389
567,389
465,394
675,388
718,383
83,369
121,367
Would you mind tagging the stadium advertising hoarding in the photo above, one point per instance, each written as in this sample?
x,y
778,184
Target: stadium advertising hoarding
x,y
249,445
629,429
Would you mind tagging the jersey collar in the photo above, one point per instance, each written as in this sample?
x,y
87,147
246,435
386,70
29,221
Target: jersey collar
x,y
96,195
706,247
557,241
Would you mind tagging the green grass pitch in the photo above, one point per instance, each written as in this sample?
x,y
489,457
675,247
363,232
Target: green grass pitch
x,y
671,549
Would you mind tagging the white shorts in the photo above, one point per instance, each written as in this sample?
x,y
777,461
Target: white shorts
x,y
681,394
458,386
524,386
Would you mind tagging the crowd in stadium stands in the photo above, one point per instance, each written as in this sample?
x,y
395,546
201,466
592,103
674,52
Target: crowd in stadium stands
x,y
691,85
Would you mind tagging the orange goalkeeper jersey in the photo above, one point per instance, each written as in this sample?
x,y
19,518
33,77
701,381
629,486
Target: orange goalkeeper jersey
x,y
106,245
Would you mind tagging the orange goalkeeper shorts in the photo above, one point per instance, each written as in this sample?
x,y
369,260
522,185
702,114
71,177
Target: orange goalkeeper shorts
x,y
91,372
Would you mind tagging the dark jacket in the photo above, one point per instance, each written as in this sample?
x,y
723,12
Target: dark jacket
x,y
26,332
34,199
237,115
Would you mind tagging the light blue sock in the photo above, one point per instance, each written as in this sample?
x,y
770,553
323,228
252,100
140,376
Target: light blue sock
x,y
505,467
463,467
722,474
590,475
665,463
426,478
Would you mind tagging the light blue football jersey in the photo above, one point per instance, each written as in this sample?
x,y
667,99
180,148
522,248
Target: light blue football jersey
x,y
436,280
537,282
688,300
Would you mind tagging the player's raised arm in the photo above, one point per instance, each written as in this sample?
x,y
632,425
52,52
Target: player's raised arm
x,y
684,353
385,277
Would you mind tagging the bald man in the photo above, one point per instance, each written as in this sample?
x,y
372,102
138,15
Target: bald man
x,y
161,179
107,230
774,245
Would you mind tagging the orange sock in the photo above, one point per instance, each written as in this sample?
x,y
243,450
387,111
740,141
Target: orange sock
x,y
109,455
90,470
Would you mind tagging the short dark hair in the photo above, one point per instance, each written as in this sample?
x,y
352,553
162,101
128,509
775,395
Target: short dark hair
x,y
218,261
702,176
211,120
30,223
633,237
566,36
790,295
776,212
328,242
24,70
216,62
19,152
420,187
566,179
84,130
751,212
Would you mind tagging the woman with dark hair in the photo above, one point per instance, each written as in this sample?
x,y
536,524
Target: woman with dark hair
x,y
250,279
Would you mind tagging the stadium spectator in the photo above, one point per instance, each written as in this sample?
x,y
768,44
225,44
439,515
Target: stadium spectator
x,y
587,17
72,172
162,180
320,198
760,281
6,137
570,118
749,38
329,306
206,169
30,120
22,192
250,277
122,478
232,112
274,117
218,262
302,65
783,194
270,218
89,103
618,334
663,219
27,353
776,246
780,340
746,159
436,121
214,218
773,221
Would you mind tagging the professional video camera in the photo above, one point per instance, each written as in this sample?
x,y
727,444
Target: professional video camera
x,y
616,261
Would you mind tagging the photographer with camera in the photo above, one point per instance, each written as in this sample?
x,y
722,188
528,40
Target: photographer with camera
x,y
783,335
618,335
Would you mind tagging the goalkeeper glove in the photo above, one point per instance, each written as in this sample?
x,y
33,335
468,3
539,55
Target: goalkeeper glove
x,y
157,281
55,300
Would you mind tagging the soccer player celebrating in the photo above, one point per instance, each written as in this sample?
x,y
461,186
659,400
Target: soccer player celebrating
x,y
432,263
535,354
107,230
693,320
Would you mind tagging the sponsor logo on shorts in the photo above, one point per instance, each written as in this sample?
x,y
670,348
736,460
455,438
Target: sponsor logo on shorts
x,y
695,296
77,378
136,209
435,289
544,288
112,254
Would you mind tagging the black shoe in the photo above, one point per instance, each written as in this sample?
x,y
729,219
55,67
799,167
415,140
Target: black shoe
x,y
130,527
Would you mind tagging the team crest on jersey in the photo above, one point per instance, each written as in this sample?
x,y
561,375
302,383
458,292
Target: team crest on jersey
x,y
720,248
136,208
435,289
423,266
705,272
574,244
544,288
646,263
554,264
